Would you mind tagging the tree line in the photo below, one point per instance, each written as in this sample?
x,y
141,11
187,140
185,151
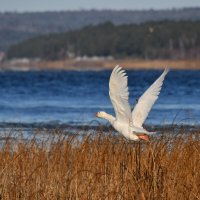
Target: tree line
x,y
16,27
151,40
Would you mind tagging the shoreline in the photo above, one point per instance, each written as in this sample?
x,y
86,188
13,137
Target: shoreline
x,y
98,64
92,124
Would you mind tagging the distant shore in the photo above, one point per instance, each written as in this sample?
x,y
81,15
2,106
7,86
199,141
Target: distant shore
x,y
98,64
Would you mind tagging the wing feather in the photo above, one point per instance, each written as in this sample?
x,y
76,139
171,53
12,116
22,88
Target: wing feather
x,y
119,94
147,100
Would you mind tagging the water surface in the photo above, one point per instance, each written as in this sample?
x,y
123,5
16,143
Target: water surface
x,y
73,97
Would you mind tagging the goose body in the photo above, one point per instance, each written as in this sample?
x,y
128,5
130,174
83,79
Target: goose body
x,y
130,123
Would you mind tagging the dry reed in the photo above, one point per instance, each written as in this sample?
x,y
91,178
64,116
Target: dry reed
x,y
102,166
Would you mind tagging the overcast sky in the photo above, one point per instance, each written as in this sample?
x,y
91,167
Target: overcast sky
x,y
45,5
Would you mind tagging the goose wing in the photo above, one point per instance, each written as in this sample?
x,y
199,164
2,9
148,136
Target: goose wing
x,y
118,91
147,100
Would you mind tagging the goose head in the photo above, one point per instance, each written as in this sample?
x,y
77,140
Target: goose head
x,y
104,115
101,114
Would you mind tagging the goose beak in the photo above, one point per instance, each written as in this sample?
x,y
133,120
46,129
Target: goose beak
x,y
144,137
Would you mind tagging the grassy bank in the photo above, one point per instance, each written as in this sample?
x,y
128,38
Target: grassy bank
x,y
73,64
102,167
127,63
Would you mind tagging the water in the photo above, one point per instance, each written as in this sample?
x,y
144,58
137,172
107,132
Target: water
x,y
73,97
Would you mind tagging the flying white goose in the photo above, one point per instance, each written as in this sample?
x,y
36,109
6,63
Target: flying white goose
x,y
128,123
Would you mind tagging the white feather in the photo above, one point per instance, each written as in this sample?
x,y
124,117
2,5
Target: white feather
x,y
118,91
147,100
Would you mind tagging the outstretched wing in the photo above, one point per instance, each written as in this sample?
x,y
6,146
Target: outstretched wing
x,y
146,101
119,94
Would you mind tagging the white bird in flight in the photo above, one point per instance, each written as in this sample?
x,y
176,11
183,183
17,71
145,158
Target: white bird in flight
x,y
130,124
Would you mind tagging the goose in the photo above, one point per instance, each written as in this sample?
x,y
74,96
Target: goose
x,y
130,123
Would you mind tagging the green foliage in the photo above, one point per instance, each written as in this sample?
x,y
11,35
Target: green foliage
x,y
16,27
167,39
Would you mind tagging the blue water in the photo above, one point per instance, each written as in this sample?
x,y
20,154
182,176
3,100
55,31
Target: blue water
x,y
73,97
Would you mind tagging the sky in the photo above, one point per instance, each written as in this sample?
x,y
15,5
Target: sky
x,y
51,5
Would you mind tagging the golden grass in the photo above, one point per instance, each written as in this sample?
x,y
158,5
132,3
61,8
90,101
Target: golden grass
x,y
102,167
72,64
127,63
155,64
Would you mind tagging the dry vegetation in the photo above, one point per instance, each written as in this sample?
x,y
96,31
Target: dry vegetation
x,y
72,64
101,167
128,63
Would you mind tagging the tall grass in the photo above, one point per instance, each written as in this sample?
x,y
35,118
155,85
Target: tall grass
x,y
102,167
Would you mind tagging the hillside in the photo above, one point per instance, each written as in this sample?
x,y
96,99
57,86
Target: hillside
x,y
152,40
15,27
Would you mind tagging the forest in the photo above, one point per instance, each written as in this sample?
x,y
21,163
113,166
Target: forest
x,y
16,26
150,40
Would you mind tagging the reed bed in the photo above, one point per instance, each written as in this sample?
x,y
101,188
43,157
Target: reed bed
x,y
101,166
